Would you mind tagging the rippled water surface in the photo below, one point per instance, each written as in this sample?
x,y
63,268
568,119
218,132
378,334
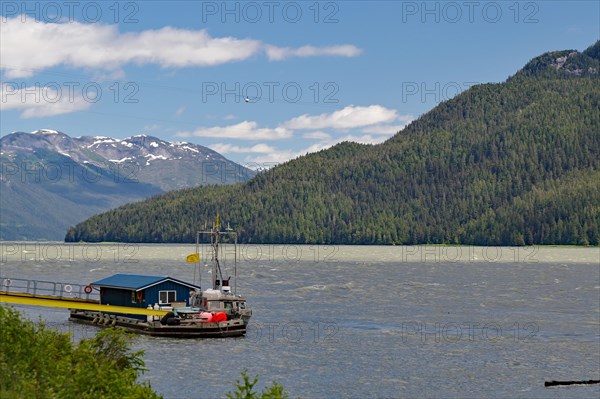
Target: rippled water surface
x,y
360,322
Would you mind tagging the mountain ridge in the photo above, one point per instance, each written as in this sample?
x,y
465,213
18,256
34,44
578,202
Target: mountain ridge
x,y
50,180
473,170
565,64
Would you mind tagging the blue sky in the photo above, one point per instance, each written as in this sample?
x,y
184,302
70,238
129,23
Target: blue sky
x,y
263,82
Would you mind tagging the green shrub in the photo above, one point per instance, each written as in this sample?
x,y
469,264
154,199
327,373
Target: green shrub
x,y
245,390
39,362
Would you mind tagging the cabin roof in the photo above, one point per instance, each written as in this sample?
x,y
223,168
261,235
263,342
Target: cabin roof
x,y
137,281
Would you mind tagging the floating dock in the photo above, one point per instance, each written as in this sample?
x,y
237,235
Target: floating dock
x,y
61,295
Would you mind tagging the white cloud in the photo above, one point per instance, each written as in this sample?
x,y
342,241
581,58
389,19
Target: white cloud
x,y
230,148
383,129
150,128
108,76
280,53
39,101
246,130
370,125
35,45
179,111
319,135
230,117
41,45
347,118
277,156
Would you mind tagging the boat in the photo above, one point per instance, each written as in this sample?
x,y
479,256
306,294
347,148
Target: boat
x,y
170,307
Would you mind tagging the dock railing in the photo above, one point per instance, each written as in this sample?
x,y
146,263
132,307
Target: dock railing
x,y
48,288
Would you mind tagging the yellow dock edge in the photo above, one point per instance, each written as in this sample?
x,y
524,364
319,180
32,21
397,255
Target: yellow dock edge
x,y
74,303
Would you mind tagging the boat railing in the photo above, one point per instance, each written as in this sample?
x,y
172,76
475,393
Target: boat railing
x,y
47,288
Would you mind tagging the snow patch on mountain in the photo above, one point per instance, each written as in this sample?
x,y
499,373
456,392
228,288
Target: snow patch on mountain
x,y
168,165
102,140
152,157
120,160
45,131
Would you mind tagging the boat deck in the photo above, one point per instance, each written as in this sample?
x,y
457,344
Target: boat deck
x,y
186,328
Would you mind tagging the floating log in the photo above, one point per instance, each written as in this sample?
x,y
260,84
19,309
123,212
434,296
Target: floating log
x,y
559,383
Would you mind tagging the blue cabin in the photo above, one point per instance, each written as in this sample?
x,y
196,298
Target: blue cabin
x,y
136,290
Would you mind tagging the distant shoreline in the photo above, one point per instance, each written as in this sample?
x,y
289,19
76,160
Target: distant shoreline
x,y
277,243
57,252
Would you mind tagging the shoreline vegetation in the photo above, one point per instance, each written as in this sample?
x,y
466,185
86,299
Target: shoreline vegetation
x,y
40,362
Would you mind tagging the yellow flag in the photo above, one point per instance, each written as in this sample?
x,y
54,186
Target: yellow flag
x,y
193,258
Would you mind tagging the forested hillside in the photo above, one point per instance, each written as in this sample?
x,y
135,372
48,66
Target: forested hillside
x,y
512,163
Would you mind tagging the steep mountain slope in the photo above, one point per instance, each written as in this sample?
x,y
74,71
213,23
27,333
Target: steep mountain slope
x,y
49,181
510,163
39,201
167,165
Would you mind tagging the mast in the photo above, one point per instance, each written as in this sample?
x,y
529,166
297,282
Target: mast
x,y
197,264
215,240
235,264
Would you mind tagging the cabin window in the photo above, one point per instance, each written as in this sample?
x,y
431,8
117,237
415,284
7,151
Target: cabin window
x,y
242,305
167,297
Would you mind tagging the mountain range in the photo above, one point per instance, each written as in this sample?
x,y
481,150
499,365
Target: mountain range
x,y
511,163
49,180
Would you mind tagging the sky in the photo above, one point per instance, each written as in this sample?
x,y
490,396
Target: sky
x,y
263,82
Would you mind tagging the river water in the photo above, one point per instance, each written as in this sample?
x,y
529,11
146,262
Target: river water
x,y
365,321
